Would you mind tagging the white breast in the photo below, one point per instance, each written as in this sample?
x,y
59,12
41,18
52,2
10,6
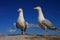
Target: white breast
x,y
21,18
21,22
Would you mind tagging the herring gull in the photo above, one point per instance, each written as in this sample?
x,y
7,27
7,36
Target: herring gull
x,y
21,24
43,22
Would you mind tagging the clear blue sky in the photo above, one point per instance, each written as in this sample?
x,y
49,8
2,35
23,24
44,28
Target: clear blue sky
x,y
9,14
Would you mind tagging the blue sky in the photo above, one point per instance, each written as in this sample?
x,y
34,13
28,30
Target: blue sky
x,y
9,14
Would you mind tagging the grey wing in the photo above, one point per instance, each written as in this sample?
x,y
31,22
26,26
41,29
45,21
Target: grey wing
x,y
25,26
41,25
19,26
49,24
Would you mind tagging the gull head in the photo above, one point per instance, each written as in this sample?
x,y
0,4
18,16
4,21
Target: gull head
x,y
20,10
37,8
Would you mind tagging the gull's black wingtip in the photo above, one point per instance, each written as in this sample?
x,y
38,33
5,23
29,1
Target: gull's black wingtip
x,y
57,30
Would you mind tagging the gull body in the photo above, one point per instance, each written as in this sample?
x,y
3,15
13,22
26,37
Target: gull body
x,y
43,22
21,24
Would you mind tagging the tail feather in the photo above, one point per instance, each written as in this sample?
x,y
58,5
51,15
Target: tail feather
x,y
57,30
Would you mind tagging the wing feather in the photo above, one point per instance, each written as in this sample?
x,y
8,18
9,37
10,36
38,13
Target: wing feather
x,y
25,26
49,24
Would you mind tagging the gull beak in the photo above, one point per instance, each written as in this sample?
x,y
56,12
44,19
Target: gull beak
x,y
37,8
34,8
18,11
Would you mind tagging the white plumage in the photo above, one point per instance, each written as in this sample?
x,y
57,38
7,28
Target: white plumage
x,y
43,22
21,24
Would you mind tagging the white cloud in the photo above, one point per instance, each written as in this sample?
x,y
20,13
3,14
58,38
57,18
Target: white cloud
x,y
29,25
12,30
33,26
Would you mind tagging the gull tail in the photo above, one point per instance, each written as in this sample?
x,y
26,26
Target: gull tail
x,y
57,30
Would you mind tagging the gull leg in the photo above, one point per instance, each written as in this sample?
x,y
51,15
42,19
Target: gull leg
x,y
46,31
22,32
